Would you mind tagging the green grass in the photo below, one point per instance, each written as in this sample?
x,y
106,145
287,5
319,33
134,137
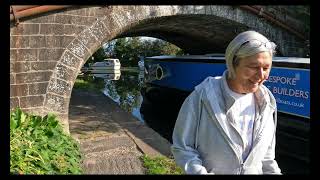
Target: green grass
x,y
92,85
160,165
38,145
130,69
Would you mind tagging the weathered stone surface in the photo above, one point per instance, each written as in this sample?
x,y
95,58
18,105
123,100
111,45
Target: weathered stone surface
x,y
125,164
33,77
58,41
73,30
35,66
56,103
59,87
65,73
89,40
37,41
37,88
70,19
99,30
34,111
45,18
18,67
52,29
63,120
24,55
106,144
70,59
14,102
12,78
31,101
25,29
19,41
77,48
112,27
77,10
18,90
50,54
101,11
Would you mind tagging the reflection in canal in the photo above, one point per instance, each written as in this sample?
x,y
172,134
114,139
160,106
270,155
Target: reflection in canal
x,y
128,90
125,90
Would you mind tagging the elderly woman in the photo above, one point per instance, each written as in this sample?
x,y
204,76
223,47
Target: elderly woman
x,y
227,125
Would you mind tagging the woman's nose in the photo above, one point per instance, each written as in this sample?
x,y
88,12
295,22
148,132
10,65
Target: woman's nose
x,y
260,73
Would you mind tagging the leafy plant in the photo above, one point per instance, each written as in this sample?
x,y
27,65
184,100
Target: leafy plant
x,y
38,145
160,165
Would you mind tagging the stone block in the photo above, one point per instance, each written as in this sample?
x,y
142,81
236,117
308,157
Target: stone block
x,y
63,19
19,67
19,41
25,29
55,41
65,73
63,121
83,20
60,87
12,43
50,54
102,11
33,77
34,111
31,101
11,67
37,88
111,26
12,78
14,102
73,30
56,103
13,54
75,11
78,20
18,90
89,40
44,18
24,55
35,66
52,29
77,48
99,30
71,60
37,41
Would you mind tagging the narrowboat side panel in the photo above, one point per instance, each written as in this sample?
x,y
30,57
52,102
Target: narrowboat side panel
x,y
290,86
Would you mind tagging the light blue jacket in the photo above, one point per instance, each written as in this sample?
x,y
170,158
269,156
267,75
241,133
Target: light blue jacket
x,y
205,139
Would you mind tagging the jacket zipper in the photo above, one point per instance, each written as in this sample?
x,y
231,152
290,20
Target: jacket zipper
x,y
234,149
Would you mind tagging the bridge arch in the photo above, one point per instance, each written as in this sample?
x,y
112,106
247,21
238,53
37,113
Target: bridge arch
x,y
48,50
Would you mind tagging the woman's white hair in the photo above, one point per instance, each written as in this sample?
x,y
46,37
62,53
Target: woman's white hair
x,y
238,48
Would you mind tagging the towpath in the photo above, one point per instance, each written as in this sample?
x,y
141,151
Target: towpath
x,y
111,139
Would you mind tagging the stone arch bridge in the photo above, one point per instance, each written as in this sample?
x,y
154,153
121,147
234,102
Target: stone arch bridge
x,y
50,44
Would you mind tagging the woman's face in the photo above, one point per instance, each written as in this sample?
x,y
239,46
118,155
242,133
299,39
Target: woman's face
x,y
251,72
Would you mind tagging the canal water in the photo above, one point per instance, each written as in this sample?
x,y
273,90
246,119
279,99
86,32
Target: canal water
x,y
128,89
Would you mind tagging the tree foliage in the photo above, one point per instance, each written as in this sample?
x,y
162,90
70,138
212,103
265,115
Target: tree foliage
x,y
129,49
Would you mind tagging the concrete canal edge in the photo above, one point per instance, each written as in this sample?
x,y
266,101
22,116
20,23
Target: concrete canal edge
x,y
111,139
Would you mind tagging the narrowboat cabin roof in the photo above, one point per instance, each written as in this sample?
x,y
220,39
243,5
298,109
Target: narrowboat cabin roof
x,y
291,59
293,62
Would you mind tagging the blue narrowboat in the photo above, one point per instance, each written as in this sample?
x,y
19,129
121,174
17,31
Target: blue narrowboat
x,y
166,77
